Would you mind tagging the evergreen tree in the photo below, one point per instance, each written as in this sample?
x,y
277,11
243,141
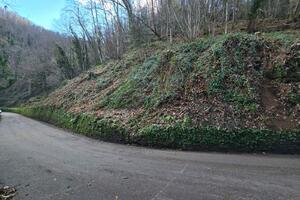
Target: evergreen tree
x,y
63,63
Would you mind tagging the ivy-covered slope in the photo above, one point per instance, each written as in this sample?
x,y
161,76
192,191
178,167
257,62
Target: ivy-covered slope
x,y
233,81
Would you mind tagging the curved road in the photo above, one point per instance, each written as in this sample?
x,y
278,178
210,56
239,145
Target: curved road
x,y
47,163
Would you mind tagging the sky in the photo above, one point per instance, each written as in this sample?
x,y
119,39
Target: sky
x,y
43,12
40,12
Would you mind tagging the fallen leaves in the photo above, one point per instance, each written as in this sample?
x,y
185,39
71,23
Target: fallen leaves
x,y
7,193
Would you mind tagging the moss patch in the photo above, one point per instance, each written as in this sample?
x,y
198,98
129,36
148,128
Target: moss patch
x,y
179,136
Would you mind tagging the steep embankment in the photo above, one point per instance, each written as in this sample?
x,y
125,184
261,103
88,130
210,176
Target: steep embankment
x,y
235,82
231,81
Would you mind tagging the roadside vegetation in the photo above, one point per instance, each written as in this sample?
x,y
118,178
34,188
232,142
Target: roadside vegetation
x,y
178,74
179,136
189,95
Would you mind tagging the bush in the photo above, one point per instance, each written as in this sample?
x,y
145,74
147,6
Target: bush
x,y
209,138
85,124
4,109
179,136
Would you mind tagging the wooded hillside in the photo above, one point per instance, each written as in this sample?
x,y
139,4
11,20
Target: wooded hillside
x,y
27,52
174,73
37,60
108,27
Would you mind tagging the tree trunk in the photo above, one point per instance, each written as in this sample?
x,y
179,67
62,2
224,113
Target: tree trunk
x,y
226,17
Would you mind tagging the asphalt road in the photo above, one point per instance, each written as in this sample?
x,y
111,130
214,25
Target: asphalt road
x,y
47,163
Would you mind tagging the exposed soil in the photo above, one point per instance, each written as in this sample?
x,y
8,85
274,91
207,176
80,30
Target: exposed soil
x,y
278,118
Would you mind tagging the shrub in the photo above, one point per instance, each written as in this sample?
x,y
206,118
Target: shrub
x,y
209,138
233,74
177,136
85,124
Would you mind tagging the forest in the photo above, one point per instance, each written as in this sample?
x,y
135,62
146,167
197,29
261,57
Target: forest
x,y
28,65
105,29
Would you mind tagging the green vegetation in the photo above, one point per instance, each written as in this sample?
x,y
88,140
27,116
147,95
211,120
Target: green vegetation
x,y
63,62
209,138
159,78
6,75
85,124
287,38
178,136
210,94
294,97
232,66
236,71
254,11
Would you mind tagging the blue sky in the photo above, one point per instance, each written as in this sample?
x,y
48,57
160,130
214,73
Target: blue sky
x,y
40,12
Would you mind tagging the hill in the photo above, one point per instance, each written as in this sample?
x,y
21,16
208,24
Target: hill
x,y
241,89
27,59
228,90
238,80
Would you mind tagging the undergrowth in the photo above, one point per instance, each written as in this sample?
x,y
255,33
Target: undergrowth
x,y
179,136
233,70
85,124
159,78
232,65
171,92
211,138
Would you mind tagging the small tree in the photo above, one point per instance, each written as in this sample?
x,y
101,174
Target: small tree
x,y
256,5
63,63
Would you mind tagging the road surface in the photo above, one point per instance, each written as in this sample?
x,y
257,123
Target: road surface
x,y
47,163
